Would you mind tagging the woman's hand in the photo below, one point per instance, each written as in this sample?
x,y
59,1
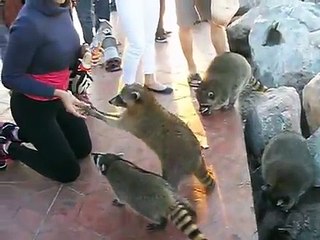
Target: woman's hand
x,y
70,102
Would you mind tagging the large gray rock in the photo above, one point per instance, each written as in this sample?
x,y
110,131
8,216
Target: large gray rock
x,y
275,111
314,146
313,1
311,100
238,31
284,44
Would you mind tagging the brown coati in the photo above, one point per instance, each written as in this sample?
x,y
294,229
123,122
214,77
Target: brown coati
x,y
167,135
227,76
287,169
147,194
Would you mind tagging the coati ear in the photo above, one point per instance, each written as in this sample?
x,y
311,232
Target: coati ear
x,y
135,95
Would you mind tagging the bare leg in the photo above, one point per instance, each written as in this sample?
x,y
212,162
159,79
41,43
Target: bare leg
x,y
149,65
219,38
186,41
160,29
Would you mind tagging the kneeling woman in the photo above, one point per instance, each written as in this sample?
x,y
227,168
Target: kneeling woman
x,y
43,44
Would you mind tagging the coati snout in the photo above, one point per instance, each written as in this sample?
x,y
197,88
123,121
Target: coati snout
x,y
128,96
278,198
205,98
118,101
211,98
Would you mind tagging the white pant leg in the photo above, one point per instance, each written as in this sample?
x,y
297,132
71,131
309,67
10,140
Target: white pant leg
x,y
151,18
77,25
131,20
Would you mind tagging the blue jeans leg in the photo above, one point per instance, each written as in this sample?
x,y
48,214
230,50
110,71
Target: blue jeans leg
x,y
84,10
101,10
4,35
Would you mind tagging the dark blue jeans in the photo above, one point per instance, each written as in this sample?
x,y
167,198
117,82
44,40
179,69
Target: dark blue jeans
x,y
4,35
87,15
102,10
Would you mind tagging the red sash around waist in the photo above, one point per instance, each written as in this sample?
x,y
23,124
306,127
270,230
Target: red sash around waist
x,y
58,80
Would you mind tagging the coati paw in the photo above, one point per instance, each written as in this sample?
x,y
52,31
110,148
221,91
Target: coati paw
x,y
152,227
117,203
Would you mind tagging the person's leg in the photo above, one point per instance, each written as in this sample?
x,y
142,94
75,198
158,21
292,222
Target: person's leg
x,y
4,35
84,10
151,11
186,17
131,22
222,13
160,34
76,132
219,38
102,11
54,157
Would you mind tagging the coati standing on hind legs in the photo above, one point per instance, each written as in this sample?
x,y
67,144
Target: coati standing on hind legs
x,y
148,194
227,76
167,135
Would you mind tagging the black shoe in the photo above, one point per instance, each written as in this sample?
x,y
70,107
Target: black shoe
x,y
6,130
3,154
161,39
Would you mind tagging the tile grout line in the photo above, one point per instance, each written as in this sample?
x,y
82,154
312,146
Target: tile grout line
x,y
47,213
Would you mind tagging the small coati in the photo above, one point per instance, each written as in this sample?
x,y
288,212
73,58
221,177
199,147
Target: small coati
x,y
167,135
272,226
227,76
287,169
148,194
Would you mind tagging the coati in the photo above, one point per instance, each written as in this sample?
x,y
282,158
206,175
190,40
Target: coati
x,y
287,169
272,225
167,135
148,194
227,76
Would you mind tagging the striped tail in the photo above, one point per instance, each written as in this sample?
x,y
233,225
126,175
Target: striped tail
x,y
181,218
204,176
256,85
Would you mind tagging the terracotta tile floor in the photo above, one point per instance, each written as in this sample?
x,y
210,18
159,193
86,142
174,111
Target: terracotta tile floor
x,y
35,208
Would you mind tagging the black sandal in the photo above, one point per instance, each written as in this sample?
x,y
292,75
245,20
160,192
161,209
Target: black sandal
x,y
194,80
